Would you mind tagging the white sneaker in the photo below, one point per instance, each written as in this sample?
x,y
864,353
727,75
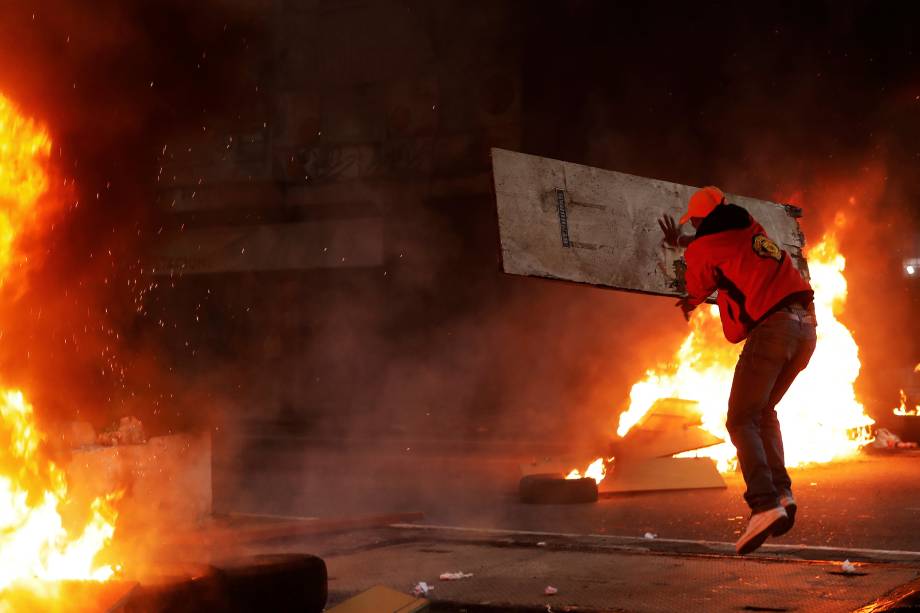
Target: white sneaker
x,y
760,526
788,503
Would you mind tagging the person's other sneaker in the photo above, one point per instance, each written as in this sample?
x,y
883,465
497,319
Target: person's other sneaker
x,y
788,503
760,526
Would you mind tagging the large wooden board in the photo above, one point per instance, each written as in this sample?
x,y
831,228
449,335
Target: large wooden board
x,y
567,221
657,474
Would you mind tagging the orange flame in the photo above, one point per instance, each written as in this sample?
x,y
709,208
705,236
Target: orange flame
x,y
903,410
597,470
820,416
24,150
34,543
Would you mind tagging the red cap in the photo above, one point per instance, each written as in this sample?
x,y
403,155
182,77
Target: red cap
x,y
702,202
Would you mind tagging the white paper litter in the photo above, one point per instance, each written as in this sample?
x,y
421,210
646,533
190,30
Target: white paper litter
x,y
421,589
541,544
650,536
455,576
848,567
550,591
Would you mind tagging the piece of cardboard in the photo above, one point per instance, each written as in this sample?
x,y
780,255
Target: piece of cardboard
x,y
381,599
641,443
654,474
687,411
671,426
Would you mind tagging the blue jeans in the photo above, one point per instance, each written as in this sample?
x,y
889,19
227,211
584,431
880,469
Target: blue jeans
x,y
776,351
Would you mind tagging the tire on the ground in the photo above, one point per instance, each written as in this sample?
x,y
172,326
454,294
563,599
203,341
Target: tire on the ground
x,y
182,589
278,583
554,489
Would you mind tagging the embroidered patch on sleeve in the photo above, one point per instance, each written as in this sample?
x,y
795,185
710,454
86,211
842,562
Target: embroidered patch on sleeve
x,y
766,248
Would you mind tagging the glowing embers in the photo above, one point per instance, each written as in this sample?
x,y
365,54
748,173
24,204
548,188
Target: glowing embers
x,y
820,416
35,545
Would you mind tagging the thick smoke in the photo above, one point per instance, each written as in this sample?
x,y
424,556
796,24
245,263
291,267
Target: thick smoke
x,y
436,346
106,82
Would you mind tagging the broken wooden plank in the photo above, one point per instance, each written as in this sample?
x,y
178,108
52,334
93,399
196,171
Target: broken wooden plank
x,y
641,443
381,599
560,220
671,426
654,474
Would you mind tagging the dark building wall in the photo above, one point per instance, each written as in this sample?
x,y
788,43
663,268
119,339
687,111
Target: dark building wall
x,y
382,111
385,111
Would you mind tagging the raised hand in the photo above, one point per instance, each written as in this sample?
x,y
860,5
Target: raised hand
x,y
670,229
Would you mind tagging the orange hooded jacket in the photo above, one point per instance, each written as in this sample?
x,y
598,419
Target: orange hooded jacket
x,y
755,277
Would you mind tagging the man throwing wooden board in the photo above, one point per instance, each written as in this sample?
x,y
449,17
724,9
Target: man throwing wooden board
x,y
764,300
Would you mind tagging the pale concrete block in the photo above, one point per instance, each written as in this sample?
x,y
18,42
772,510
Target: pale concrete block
x,y
167,480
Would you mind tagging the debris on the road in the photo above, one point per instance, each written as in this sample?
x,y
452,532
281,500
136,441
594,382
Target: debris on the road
x,y
455,576
541,544
885,439
650,536
645,454
848,569
550,591
421,589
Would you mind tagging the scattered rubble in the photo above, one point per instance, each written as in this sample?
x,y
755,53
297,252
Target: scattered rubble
x,y
128,431
848,569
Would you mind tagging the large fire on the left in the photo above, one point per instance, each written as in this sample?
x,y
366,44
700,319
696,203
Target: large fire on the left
x,y
37,545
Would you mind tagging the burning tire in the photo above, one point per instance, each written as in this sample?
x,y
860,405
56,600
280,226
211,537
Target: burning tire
x,y
278,583
182,589
554,489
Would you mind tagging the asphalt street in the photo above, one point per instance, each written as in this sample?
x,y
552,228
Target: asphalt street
x,y
868,502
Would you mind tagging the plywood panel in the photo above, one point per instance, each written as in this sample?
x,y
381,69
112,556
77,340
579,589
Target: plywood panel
x,y
560,220
655,474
